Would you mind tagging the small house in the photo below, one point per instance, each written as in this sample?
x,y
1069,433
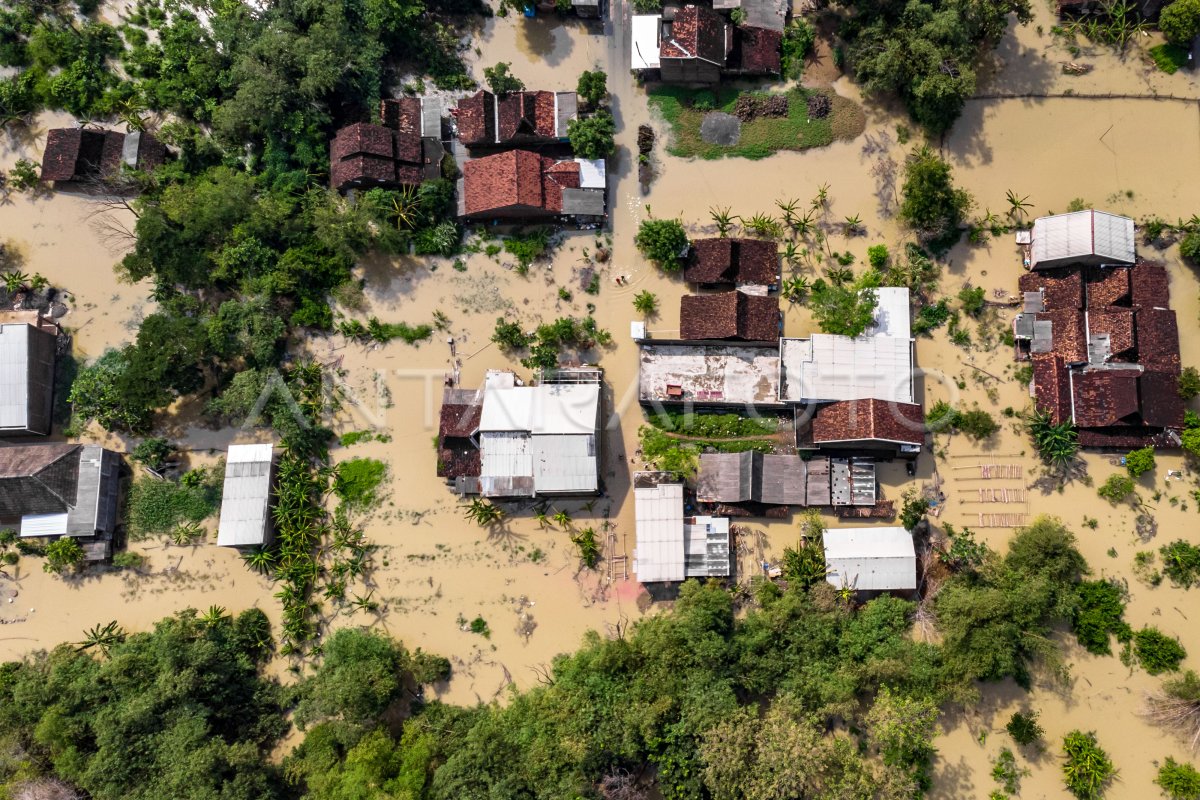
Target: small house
x,y
404,151
769,479
1083,238
517,185
28,343
873,427
522,118
80,154
730,315
246,497
871,560
732,262
53,490
672,547
695,45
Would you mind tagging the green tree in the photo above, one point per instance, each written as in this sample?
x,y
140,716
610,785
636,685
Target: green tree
x,y
593,87
1189,383
1157,652
664,242
97,394
500,79
645,303
1117,489
63,555
1178,781
1087,769
592,136
1139,462
930,203
844,308
1180,22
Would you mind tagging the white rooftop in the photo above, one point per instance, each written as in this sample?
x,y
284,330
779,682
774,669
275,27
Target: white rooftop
x,y
644,52
1086,237
826,367
592,173
871,559
245,499
548,408
892,314
659,553
14,375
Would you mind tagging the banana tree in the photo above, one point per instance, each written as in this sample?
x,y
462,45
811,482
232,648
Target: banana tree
x,y
723,219
213,615
1018,206
102,637
483,513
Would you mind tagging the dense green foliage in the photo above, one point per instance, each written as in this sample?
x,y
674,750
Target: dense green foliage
x,y
1156,652
1099,615
714,426
845,307
1087,769
930,203
159,506
592,87
1056,444
62,555
1024,728
1117,488
1178,781
925,51
592,136
500,79
975,423
357,481
1189,383
798,39
1139,462
1181,562
1180,22
663,241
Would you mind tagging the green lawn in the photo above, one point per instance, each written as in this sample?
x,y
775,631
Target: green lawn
x,y
1169,58
684,110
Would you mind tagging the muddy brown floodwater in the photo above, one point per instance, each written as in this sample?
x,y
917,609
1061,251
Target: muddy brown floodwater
x,y
1031,132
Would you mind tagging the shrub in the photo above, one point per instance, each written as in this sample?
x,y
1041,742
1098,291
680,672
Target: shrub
x,y
153,452
845,308
930,203
1087,770
1189,383
913,510
128,560
645,303
1024,728
1117,488
1139,462
1189,247
592,87
1180,22
1169,58
1056,444
976,424
357,481
931,317
23,175
1181,562
527,247
592,136
972,300
664,242
1157,652
589,548
500,80
509,335
63,554
1006,772
1178,781
1099,614
877,255
158,507
798,39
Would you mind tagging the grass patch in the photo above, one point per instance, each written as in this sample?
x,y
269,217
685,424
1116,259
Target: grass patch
x,y
1170,58
358,480
159,507
355,437
714,426
760,137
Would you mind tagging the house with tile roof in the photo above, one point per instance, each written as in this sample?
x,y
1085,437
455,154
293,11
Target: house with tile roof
x,y
518,119
404,151
729,315
74,155
698,45
517,185
732,262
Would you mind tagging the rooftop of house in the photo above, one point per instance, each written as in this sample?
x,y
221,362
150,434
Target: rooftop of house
x,y
697,32
245,496
722,374
364,153
1107,286
733,261
518,180
871,419
59,489
826,367
1150,285
27,348
1116,323
487,119
1157,333
670,546
1052,386
77,153
871,559
1061,288
1102,397
729,315
1082,237
756,50
1068,336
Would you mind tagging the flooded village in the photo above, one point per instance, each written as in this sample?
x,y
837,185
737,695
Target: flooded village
x,y
521,501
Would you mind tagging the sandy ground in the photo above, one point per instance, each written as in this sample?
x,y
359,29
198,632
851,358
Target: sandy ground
x,y
1134,156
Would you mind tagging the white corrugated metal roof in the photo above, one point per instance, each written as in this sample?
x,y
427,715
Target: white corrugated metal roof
x,y
44,524
554,408
591,173
659,554
892,314
871,559
644,53
246,496
564,463
829,367
505,454
1083,235
14,376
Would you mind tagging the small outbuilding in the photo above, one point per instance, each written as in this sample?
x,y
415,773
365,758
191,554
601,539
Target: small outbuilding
x,y
733,262
672,547
1087,238
28,343
246,496
78,154
871,559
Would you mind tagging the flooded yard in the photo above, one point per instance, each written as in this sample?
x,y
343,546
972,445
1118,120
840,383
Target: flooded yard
x,y
435,570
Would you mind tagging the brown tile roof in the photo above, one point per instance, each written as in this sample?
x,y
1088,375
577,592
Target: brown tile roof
x,y
1063,287
151,152
1117,322
556,176
111,152
1157,338
62,150
1107,286
1161,404
758,50
696,32
733,261
869,419
1150,285
1051,386
1103,397
75,153
458,458
368,154
1126,437
729,315
508,180
476,118
459,420
1068,336
403,116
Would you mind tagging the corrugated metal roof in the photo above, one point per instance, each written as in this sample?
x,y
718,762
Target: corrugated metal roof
x,y
553,408
659,554
871,559
246,497
564,463
827,367
583,202
44,524
505,454
706,547
1082,237
14,376
645,51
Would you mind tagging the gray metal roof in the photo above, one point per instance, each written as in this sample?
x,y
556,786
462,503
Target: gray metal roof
x,y
871,559
1023,326
706,551
246,497
725,478
1082,237
566,108
659,552
65,489
1043,336
431,117
14,376
583,202
817,482
779,479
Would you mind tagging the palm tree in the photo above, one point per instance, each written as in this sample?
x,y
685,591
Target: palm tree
x,y
405,208
791,254
822,198
645,303
483,513
365,603
15,281
187,533
1017,206
789,209
1056,444
723,219
764,225
852,226
260,559
804,225
542,519
102,637
562,519
795,289
838,275
214,615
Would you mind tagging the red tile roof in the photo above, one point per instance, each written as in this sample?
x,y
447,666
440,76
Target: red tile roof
x,y
62,150
1150,285
1157,338
366,154
758,50
1051,386
1117,322
1107,286
1104,397
403,116
1063,287
76,153
849,420
476,118
1161,404
733,261
557,176
729,315
509,181
696,32
1127,437
1067,333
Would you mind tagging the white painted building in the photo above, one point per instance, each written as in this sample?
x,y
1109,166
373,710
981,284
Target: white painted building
x,y
246,497
871,559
